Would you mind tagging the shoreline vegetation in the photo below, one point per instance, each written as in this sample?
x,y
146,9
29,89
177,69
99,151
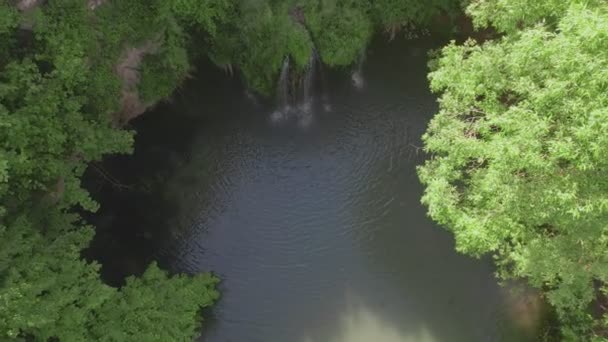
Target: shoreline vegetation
x,y
516,151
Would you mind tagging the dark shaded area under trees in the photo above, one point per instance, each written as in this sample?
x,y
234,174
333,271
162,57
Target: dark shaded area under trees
x,y
521,179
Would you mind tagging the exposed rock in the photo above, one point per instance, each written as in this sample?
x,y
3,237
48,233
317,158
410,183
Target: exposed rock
x,y
24,5
93,4
127,70
297,14
27,6
526,306
127,67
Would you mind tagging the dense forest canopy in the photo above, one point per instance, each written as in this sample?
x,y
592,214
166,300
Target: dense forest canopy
x,y
517,149
519,152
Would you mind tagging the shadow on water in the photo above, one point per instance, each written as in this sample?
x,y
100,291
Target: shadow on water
x,y
316,230
135,217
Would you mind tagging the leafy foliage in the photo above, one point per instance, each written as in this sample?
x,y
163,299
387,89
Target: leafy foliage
x,y
46,137
139,310
58,91
49,292
513,15
259,34
340,30
8,23
518,153
204,14
160,75
257,39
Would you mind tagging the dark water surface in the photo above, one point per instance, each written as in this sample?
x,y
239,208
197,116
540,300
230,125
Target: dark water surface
x,y
314,223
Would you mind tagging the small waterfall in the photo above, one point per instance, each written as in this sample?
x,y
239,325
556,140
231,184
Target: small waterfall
x,y
282,97
308,82
283,87
296,91
357,75
324,89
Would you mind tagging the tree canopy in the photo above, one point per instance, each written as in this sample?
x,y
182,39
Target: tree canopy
x,y
518,148
518,151
258,35
58,94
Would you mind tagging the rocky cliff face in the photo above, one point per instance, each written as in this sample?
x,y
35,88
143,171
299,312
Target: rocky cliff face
x,y
95,3
127,70
126,67
24,5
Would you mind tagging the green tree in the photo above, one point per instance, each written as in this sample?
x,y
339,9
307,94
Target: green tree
x,y
155,307
518,155
341,30
49,292
58,92
513,15
258,35
256,39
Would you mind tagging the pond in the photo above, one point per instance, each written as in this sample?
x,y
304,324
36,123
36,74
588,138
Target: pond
x,y
312,219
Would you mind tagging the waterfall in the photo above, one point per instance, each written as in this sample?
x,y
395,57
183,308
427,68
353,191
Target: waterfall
x,y
357,75
308,82
324,88
283,87
296,91
282,97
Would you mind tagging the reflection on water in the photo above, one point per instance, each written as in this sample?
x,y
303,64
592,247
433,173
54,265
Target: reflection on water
x,y
314,224
359,323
